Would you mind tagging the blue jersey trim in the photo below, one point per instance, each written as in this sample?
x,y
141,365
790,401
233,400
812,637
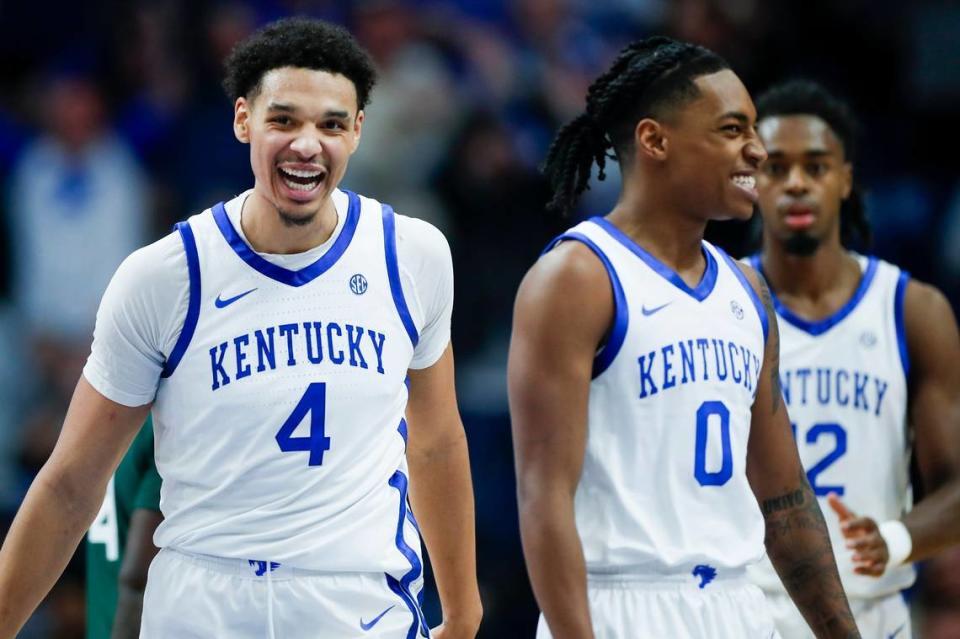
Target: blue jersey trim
x,y
193,306
898,297
393,273
757,304
402,586
700,292
820,327
621,315
291,278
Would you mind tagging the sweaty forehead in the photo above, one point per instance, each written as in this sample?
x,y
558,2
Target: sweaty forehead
x,y
798,134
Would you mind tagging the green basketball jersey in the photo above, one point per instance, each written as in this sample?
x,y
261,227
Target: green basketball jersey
x,y
136,484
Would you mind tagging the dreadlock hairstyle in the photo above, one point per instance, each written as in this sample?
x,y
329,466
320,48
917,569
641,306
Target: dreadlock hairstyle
x,y
649,78
804,97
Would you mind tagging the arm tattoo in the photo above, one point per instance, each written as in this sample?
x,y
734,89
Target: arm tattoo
x,y
773,344
799,547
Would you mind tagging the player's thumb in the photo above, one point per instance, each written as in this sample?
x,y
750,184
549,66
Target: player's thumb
x,y
838,507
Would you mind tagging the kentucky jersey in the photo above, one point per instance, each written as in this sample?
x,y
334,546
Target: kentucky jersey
x,y
664,486
844,383
280,412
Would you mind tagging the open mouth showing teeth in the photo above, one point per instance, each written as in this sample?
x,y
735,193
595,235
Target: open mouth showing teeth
x,y
301,180
745,181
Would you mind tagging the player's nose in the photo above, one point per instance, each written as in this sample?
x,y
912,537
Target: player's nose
x,y
306,145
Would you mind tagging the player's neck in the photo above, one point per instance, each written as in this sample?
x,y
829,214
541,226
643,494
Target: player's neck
x,y
669,236
266,231
829,270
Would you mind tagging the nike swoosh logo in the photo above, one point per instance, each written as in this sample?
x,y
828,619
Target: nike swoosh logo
x,y
219,303
367,626
897,631
650,311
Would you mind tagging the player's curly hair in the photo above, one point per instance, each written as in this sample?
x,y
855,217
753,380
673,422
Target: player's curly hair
x,y
298,42
805,97
649,78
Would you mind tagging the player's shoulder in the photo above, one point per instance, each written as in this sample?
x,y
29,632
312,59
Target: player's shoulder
x,y
162,261
572,268
420,240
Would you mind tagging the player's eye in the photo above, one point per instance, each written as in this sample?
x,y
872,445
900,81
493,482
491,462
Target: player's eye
x,y
816,169
282,120
775,169
735,129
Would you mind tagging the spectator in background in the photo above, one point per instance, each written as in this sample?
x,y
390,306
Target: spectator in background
x,y
78,205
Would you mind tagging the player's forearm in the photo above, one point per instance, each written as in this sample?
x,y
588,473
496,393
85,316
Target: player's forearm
x,y
441,494
934,523
126,622
49,525
554,557
798,544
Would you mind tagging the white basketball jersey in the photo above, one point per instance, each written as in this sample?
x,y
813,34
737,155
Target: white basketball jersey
x,y
844,382
664,487
279,417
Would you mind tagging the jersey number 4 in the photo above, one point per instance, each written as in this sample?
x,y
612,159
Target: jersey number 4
x,y
313,403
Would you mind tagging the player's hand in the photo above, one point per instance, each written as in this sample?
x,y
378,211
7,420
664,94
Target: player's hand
x,y
870,553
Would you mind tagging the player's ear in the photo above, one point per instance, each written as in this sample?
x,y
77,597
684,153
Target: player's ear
x,y
846,177
357,126
241,119
650,140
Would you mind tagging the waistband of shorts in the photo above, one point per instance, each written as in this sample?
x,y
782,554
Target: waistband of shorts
x,y
697,578
248,568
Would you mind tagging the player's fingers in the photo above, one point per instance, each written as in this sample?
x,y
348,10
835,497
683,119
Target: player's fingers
x,y
839,507
857,526
869,569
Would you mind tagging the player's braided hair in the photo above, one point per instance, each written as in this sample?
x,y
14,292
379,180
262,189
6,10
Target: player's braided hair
x,y
648,78
298,42
804,97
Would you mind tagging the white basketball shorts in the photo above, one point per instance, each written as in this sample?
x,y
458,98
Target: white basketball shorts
x,y
675,607
198,597
884,617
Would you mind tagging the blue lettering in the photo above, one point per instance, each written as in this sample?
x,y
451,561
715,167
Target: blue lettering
x,y
823,386
216,364
669,381
378,347
881,391
687,361
756,369
804,375
335,356
785,386
842,398
703,344
645,375
289,330
243,370
719,352
354,345
860,391
318,357
737,377
747,381
265,350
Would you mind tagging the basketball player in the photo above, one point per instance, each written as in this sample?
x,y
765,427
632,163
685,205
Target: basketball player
x,y
866,351
654,453
120,543
275,337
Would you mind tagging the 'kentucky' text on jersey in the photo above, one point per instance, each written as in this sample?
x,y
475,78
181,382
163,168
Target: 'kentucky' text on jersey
x,y
664,487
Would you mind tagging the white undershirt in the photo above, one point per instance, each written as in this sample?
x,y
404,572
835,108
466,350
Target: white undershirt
x,y
144,307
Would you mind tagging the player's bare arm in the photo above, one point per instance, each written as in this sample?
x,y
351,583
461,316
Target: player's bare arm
x,y
933,345
138,553
442,494
564,308
797,540
62,501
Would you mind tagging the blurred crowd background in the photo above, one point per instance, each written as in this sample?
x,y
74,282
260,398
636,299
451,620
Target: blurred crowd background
x,y
113,126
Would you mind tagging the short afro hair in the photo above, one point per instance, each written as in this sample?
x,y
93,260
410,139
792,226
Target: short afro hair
x,y
298,42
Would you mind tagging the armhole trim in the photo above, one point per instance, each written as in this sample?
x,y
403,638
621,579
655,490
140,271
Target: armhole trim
x,y
393,273
193,308
899,323
621,316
